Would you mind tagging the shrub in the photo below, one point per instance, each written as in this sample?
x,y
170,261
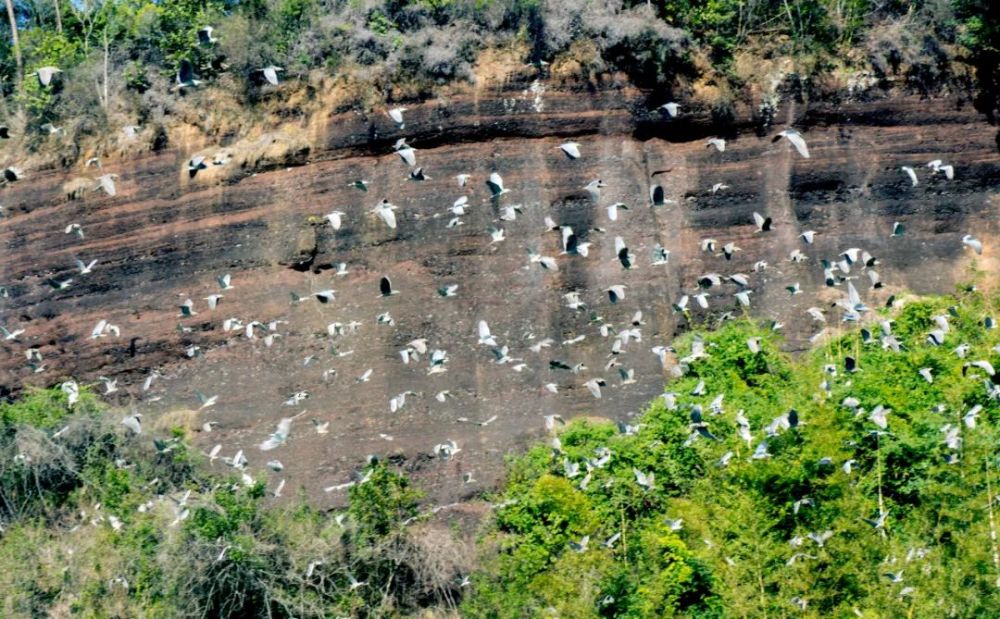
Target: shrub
x,y
741,544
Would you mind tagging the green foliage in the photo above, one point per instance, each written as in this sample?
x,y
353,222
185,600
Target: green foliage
x,y
177,24
125,525
86,506
653,43
231,510
40,408
379,23
743,545
383,503
979,31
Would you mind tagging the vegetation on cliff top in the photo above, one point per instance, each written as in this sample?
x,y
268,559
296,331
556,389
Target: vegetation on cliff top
x,y
119,58
824,513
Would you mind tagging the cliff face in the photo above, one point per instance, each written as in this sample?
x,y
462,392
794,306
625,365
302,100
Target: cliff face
x,y
166,237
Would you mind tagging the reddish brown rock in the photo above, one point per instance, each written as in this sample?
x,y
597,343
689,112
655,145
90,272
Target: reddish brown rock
x,y
165,237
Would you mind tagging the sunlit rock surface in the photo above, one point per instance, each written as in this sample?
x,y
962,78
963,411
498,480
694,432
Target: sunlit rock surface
x,y
166,237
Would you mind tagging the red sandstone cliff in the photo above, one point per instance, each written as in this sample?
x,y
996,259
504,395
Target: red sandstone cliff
x,y
165,237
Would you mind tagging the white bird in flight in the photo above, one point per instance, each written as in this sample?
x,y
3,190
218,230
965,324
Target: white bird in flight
x,y
385,211
571,149
793,136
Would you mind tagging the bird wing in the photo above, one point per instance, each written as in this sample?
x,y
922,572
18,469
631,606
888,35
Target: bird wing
x,y
185,73
132,423
703,431
108,184
496,183
279,436
388,217
408,155
852,295
269,444
594,388
799,143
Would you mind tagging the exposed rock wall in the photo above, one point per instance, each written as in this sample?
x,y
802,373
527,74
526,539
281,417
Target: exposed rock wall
x,y
166,237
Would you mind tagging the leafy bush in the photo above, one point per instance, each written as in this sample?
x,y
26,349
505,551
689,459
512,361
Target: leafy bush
x,y
408,48
725,532
122,527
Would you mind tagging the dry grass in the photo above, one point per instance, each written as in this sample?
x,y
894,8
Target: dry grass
x,y
580,62
495,66
287,146
442,557
711,94
352,88
183,418
761,75
77,187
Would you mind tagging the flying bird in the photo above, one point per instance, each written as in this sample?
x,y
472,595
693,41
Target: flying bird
x,y
185,76
205,36
793,136
657,195
408,154
384,210
396,114
570,149
271,74
45,74
85,268
647,481
133,422
594,386
485,337
495,184
616,293
939,166
973,243
107,183
280,435
195,164
335,218
385,287
671,109
594,188
613,210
